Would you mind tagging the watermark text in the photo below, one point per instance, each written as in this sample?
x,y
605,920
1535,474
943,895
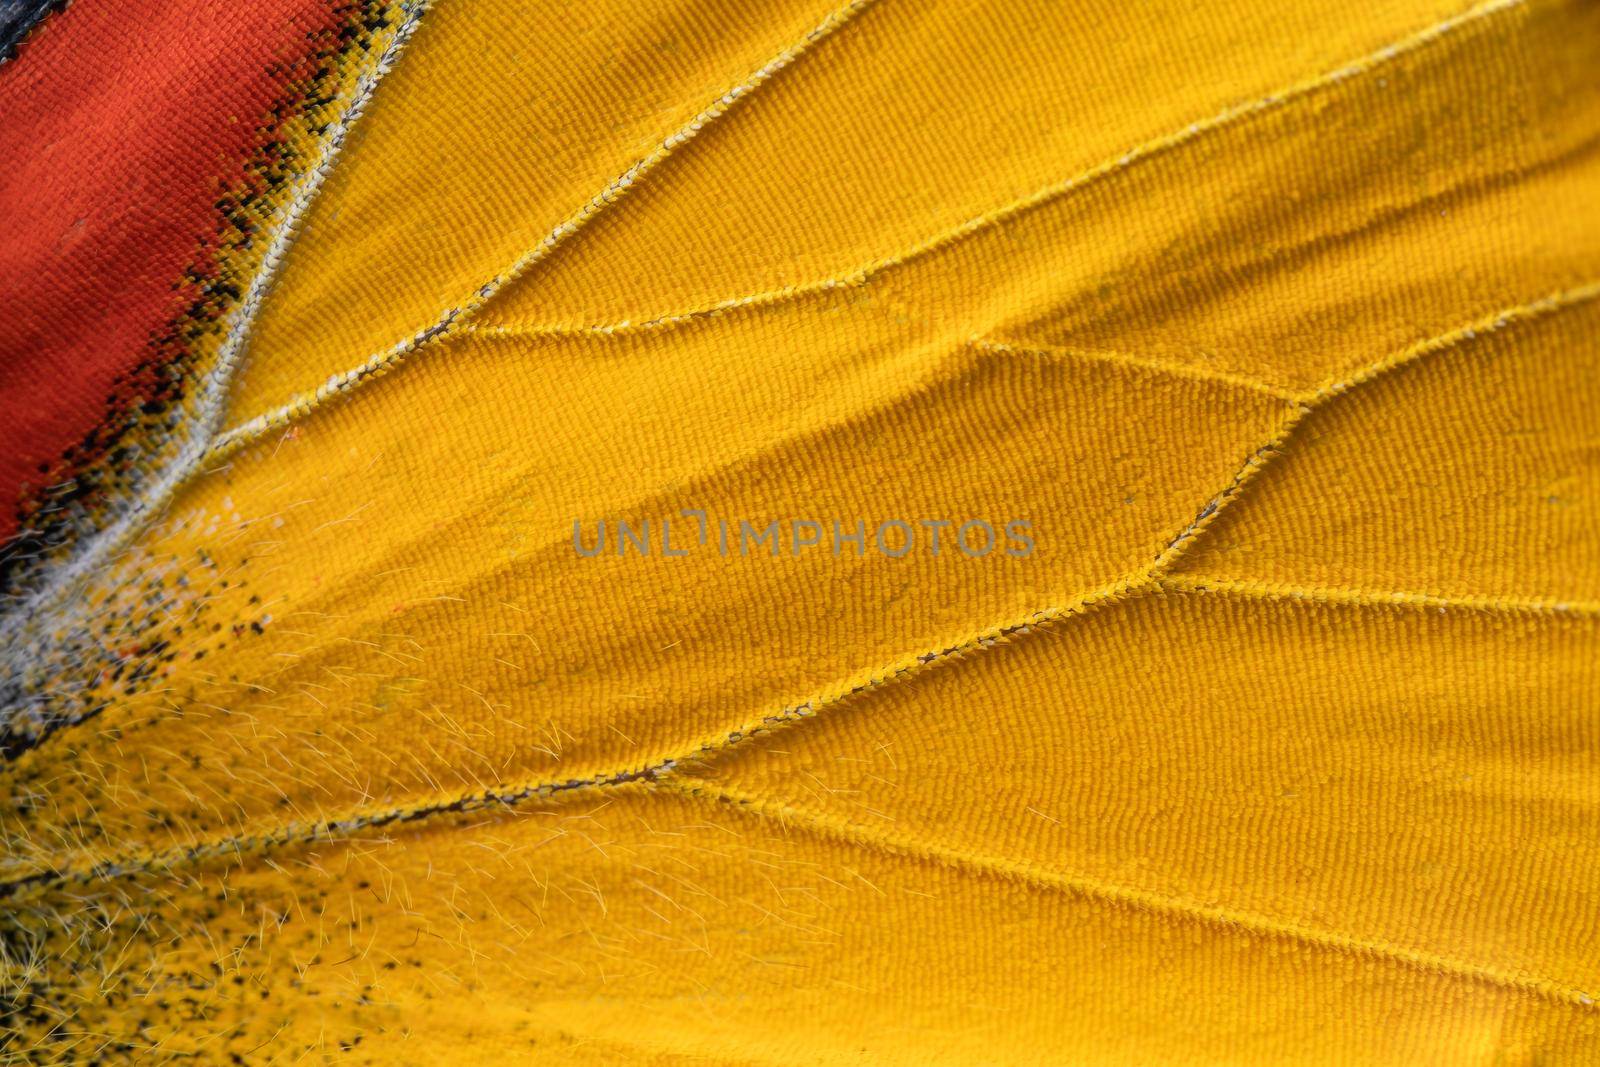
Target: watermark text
x,y
694,531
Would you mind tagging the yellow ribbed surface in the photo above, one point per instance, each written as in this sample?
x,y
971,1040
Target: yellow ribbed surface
x,y
1278,323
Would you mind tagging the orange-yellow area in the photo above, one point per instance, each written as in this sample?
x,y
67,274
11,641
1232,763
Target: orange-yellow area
x,y
1276,322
